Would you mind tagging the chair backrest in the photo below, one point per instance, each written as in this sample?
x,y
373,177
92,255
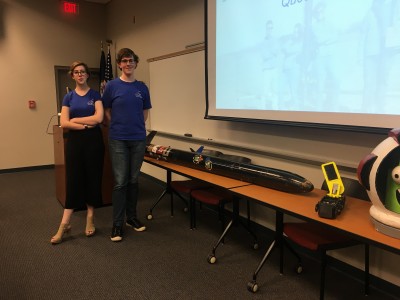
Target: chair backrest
x,y
352,188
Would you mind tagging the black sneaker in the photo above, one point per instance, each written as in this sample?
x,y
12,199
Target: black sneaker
x,y
136,224
116,233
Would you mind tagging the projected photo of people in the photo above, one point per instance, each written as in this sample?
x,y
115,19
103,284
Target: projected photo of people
x,y
324,68
293,68
272,58
381,49
300,56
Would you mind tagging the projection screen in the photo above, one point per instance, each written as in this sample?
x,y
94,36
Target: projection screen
x,y
325,63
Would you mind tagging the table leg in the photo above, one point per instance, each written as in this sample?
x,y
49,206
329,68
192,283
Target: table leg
x,y
235,219
252,285
167,190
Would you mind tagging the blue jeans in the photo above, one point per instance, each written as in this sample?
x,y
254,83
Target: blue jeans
x,y
126,160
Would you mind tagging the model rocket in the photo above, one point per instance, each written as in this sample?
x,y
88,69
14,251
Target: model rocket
x,y
202,160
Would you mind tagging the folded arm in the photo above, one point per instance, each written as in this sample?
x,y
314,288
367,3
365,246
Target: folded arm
x,y
79,123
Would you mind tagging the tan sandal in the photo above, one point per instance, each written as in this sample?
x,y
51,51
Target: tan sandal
x,y
63,229
90,229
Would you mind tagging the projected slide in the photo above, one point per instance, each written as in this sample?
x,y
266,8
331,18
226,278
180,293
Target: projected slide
x,y
328,56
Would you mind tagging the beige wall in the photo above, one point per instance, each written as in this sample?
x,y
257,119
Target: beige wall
x,y
160,27
35,37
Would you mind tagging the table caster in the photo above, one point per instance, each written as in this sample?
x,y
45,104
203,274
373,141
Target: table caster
x,y
211,259
252,286
299,269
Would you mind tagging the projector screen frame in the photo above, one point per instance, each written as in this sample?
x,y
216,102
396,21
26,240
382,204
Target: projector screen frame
x,y
277,121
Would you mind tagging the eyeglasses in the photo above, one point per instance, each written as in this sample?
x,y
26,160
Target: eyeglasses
x,y
125,61
79,72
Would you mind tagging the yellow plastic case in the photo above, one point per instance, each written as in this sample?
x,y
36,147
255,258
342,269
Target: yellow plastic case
x,y
333,180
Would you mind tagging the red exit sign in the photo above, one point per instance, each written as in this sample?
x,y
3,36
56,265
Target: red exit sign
x,y
71,8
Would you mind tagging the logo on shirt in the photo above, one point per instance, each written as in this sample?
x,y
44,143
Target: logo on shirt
x,y
138,94
90,102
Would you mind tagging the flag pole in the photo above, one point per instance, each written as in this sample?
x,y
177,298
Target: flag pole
x,y
102,82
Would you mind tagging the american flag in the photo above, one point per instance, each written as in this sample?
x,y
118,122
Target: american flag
x,y
109,72
106,73
102,70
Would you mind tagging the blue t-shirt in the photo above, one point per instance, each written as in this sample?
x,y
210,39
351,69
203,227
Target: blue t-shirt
x,y
81,106
127,101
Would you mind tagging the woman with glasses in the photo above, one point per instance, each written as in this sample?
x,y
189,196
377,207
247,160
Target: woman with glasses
x,y
126,102
81,113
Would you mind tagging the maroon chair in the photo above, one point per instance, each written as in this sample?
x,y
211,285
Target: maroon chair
x,y
184,188
215,197
320,239
218,197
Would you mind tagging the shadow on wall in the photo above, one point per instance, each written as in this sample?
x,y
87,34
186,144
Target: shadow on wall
x,y
2,31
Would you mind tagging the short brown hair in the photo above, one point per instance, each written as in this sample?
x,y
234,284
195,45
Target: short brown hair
x,y
126,52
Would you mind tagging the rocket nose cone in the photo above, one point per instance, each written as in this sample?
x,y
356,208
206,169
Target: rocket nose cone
x,y
308,186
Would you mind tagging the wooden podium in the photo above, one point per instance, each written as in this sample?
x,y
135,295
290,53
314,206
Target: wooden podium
x,y
60,139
